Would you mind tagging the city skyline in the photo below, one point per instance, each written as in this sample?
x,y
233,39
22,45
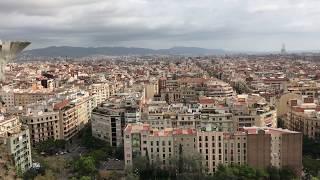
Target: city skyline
x,y
223,24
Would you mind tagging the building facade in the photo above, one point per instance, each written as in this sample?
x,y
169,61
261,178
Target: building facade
x,y
16,138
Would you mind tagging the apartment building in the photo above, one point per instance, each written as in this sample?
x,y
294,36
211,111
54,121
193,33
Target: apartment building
x,y
256,146
157,115
43,123
278,84
150,89
160,115
274,147
110,117
135,142
304,116
219,89
218,117
17,97
221,148
253,110
188,89
16,138
23,98
101,91
74,113
7,97
304,87
241,111
159,145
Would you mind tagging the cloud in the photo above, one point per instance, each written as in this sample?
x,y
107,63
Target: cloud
x,y
229,24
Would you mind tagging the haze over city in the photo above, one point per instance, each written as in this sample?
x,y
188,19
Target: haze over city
x,y
235,25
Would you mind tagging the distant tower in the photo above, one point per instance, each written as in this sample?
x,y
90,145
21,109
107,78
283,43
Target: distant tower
x,y
8,51
283,49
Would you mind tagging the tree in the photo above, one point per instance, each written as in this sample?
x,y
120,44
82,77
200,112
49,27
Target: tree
x,y
90,142
311,147
238,172
113,175
98,155
32,173
51,146
47,176
311,166
132,176
139,165
180,162
241,87
273,173
287,173
85,166
85,178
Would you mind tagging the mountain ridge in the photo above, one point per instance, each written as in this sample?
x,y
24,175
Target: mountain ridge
x,y
55,51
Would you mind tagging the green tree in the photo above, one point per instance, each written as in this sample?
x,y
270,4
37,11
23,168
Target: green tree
x,y
85,178
180,162
49,175
311,166
287,173
85,166
50,146
273,173
311,147
98,155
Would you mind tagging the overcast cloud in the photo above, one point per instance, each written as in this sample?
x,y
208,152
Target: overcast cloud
x,y
254,25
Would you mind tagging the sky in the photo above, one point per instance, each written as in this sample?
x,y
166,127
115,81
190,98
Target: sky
x,y
237,25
